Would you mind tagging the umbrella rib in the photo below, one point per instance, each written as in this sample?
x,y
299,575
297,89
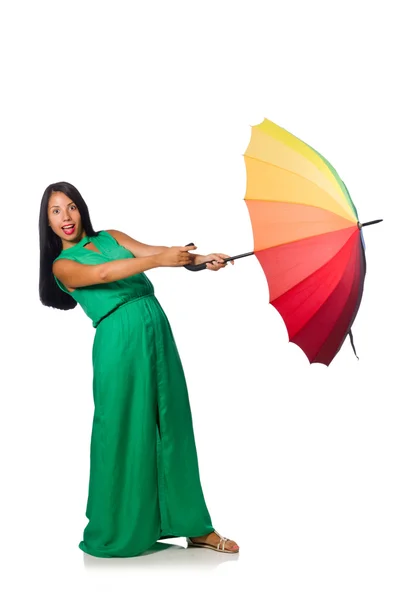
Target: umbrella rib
x,y
301,177
355,222
351,224
305,238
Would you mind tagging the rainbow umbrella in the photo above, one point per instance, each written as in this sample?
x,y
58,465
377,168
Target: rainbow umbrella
x,y
307,238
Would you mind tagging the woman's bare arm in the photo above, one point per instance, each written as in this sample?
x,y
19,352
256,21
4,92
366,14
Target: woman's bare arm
x,y
74,275
141,250
138,249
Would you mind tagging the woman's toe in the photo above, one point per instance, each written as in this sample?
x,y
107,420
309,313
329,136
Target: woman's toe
x,y
231,545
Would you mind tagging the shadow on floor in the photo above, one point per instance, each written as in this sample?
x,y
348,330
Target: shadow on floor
x,y
166,555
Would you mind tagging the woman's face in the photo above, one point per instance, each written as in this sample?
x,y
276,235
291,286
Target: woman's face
x,y
61,213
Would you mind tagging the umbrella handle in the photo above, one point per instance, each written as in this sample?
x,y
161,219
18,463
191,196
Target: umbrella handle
x,y
200,267
196,267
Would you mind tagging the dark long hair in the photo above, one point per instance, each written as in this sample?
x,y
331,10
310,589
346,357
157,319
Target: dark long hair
x,y
51,246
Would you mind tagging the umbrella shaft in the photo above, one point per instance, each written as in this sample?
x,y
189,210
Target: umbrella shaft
x,y
239,256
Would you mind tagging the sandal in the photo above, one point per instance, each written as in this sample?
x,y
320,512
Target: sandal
x,y
220,547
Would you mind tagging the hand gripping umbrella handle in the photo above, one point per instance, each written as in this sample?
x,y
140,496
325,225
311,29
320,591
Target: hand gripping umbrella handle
x,y
195,267
203,265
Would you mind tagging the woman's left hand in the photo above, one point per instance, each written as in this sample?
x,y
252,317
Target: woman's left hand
x,y
218,261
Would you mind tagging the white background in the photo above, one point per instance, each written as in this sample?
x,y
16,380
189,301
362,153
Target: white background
x,y
146,108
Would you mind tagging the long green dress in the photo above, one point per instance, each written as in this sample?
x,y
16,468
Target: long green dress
x,y
144,480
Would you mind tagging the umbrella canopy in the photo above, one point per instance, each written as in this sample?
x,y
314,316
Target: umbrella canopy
x,y
307,238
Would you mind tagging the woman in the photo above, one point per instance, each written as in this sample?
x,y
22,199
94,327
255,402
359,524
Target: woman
x,y
144,480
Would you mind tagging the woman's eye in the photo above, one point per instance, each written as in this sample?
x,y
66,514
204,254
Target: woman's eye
x,y
57,209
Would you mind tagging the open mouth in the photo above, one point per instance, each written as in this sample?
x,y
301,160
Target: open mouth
x,y
69,229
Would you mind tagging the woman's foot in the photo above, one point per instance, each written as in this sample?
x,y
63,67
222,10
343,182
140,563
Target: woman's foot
x,y
213,539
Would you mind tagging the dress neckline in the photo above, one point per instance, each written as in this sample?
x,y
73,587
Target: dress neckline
x,y
82,242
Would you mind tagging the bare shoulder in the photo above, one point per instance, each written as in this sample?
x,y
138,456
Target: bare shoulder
x,y
136,248
118,235
60,268
74,274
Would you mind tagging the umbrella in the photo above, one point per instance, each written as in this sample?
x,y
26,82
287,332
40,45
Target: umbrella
x,y
307,238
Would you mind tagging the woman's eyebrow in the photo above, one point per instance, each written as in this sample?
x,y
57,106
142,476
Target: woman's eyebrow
x,y
57,205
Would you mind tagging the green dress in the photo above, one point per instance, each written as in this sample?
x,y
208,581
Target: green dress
x,y
144,482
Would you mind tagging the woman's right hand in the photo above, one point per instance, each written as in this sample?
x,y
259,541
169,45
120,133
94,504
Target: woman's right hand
x,y
176,256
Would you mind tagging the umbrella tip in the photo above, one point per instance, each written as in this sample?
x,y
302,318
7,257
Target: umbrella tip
x,y
360,225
